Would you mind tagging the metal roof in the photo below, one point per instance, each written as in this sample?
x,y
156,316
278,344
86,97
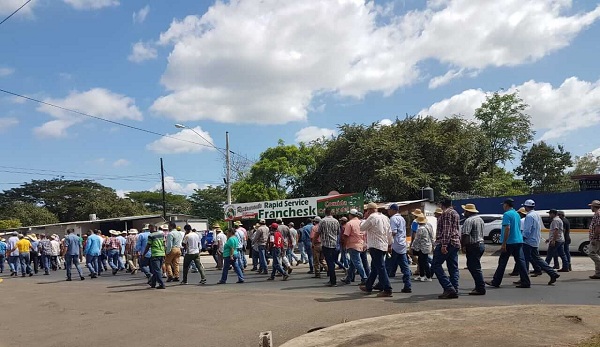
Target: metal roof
x,y
386,205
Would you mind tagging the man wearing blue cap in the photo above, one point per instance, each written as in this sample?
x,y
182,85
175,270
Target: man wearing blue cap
x,y
399,257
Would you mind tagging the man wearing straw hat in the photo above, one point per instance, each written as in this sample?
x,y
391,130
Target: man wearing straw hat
x,y
473,246
132,260
113,245
379,241
595,238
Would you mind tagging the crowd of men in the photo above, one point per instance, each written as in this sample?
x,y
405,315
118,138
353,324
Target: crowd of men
x,y
326,244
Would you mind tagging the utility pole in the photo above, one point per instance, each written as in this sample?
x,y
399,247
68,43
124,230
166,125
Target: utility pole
x,y
228,168
164,200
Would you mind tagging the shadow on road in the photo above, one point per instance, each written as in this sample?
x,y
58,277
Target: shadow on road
x,y
344,297
416,298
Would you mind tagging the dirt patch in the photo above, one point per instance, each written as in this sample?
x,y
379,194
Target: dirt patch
x,y
489,326
592,342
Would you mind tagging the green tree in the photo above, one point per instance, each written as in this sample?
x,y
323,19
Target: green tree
x,y
72,200
503,183
588,164
152,201
543,166
9,224
506,126
27,214
209,202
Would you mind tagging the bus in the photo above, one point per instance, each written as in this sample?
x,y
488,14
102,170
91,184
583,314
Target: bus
x,y
580,227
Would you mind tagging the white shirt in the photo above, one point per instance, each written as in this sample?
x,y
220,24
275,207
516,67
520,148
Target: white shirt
x,y
379,233
221,239
56,247
192,240
12,243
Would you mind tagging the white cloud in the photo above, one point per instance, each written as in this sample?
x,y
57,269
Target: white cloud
x,y
311,133
6,71
386,122
176,188
91,4
264,62
140,16
122,193
452,74
554,111
9,6
97,102
6,123
596,152
192,143
121,163
141,51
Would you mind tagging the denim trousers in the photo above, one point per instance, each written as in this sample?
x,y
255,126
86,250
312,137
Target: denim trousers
x,y
46,262
262,258
355,265
235,263
330,255
424,266
13,263
91,261
25,263
392,263
2,257
145,266
242,258
558,249
156,264
532,255
474,254
309,255
448,282
276,253
365,262
378,270
516,251
74,260
344,258
303,255
113,259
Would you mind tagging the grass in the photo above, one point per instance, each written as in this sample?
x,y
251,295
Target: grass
x,y
591,342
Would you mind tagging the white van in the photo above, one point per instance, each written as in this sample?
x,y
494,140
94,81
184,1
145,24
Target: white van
x,y
580,227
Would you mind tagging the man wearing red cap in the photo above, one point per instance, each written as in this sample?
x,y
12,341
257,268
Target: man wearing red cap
x,y
276,245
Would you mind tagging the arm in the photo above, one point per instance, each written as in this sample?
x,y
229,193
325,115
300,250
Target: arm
x,y
466,233
170,242
147,246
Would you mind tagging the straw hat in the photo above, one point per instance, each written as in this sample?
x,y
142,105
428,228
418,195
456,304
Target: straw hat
x,y
470,208
417,212
133,231
522,211
438,211
114,232
32,237
421,219
372,205
237,223
595,203
217,226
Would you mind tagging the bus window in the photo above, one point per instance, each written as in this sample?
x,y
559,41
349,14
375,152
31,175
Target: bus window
x,y
547,221
580,222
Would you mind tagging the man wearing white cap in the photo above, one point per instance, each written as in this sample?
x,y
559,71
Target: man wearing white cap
x,y
113,245
595,238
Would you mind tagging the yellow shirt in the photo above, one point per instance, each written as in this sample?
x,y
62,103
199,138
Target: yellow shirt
x,y
23,245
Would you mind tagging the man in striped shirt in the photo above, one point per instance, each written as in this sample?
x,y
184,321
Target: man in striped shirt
x,y
328,230
473,246
447,244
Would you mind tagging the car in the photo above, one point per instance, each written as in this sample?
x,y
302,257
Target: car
x,y
580,223
492,226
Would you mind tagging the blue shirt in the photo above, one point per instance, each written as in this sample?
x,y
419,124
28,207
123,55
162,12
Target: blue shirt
x,y
306,234
3,247
532,229
93,245
123,242
398,226
141,243
34,245
511,219
73,243
414,226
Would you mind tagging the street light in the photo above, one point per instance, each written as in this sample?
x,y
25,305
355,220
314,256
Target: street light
x,y
227,159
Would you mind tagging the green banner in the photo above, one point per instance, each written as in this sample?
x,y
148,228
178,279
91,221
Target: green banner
x,y
340,204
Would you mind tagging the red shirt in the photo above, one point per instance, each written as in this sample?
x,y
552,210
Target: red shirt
x,y
278,243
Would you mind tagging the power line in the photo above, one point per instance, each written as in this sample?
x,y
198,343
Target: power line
x,y
73,172
17,10
100,118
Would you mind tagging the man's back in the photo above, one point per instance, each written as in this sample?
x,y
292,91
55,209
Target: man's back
x,y
513,221
72,244
329,228
192,240
157,244
377,230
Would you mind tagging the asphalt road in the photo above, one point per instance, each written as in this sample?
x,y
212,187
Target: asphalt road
x,y
47,311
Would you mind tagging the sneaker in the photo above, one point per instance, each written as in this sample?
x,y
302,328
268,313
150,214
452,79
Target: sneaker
x,y
364,289
428,279
513,274
271,279
175,279
183,283
46,273
329,284
289,270
362,283
164,276
345,281
298,262
114,272
448,294
405,290
239,281
310,272
30,274
417,279
595,277
82,278
285,277
160,287
203,281
384,294
517,282
553,279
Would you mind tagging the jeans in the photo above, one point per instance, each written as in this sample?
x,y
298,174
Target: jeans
x,y
594,254
532,255
255,260
448,282
424,266
102,260
242,258
72,259
330,255
2,262
291,256
559,247
344,258
145,266
46,263
235,262
156,264
189,259
310,256
474,254
262,258
113,259
25,263
516,251
13,263
355,265
303,255
34,258
365,263
378,271
401,260
276,253
91,261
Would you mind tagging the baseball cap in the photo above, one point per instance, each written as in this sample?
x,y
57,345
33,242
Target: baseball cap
x,y
274,225
262,221
529,203
317,219
394,207
353,212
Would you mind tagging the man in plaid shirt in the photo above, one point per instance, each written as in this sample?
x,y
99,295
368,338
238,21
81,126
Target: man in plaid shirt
x,y
595,238
447,245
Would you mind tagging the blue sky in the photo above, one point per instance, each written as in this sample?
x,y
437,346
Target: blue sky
x,y
273,70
